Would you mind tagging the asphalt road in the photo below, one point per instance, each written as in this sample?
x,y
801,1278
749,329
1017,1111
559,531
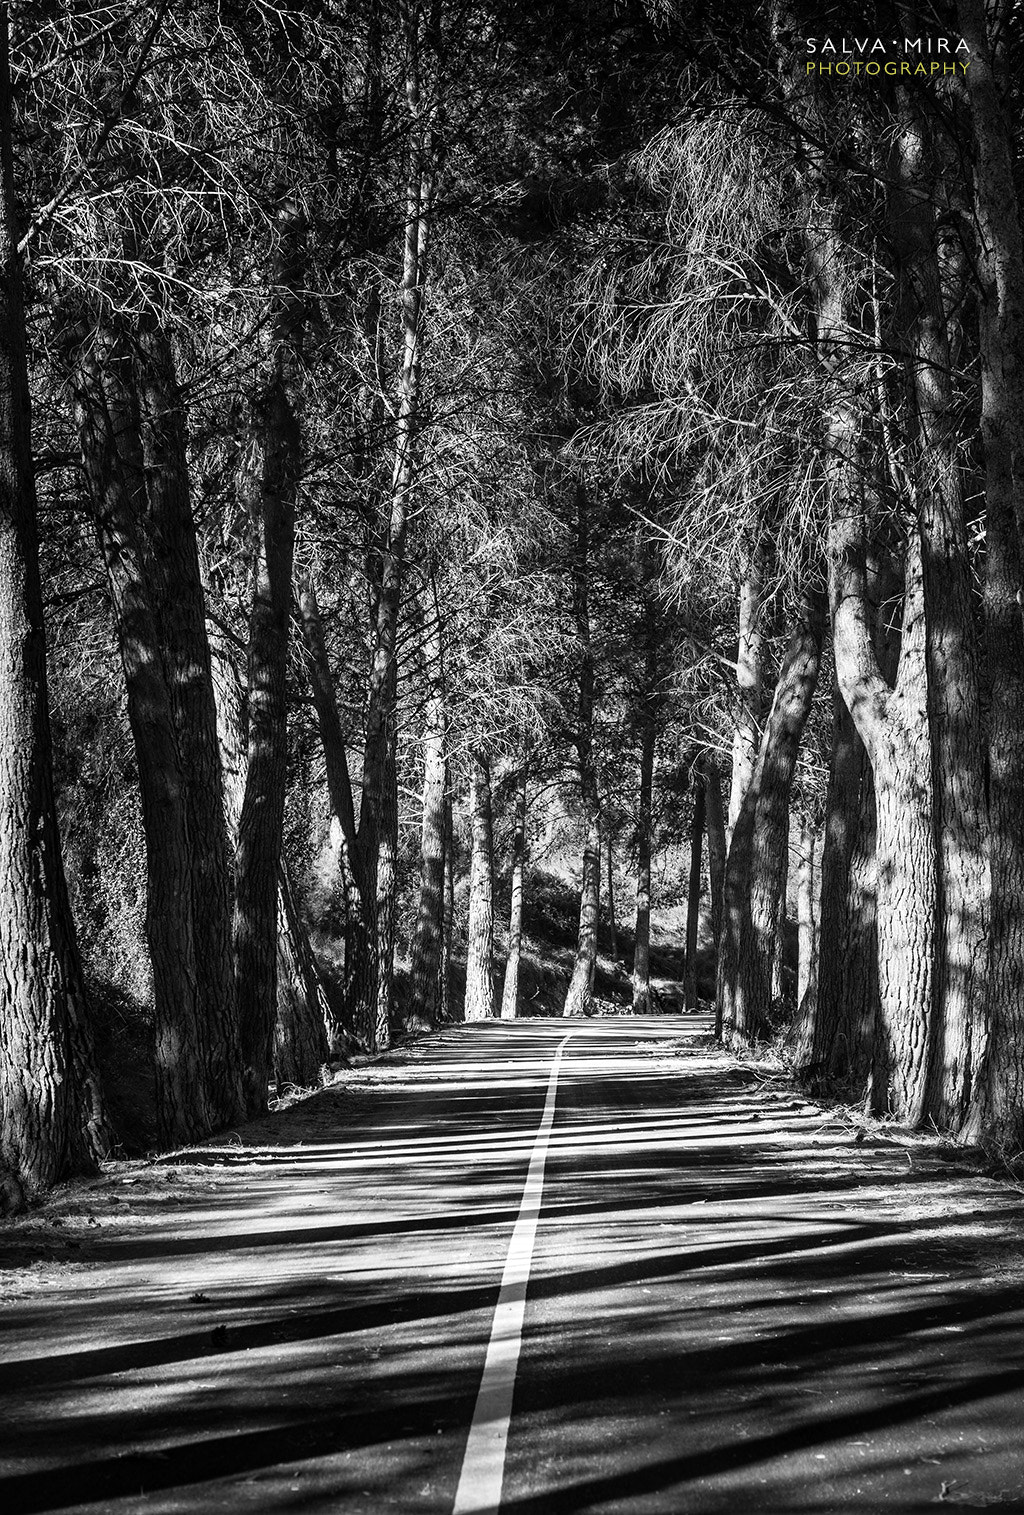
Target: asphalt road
x,y
714,1299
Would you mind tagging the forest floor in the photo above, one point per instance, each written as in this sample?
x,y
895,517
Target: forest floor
x,y
737,1299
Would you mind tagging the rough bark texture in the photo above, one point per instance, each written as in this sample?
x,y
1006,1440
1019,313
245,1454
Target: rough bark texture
x,y
480,945
510,987
370,981
845,989
427,937
958,1030
303,1014
997,1116
693,889
51,1119
108,430
716,843
273,476
747,729
180,614
757,861
806,909
642,928
580,995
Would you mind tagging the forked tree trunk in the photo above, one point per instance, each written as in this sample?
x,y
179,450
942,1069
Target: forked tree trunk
x,y
757,861
480,946
693,889
642,928
106,417
51,1119
997,1116
510,988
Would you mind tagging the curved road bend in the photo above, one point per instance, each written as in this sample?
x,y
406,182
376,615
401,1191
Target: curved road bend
x,y
731,1305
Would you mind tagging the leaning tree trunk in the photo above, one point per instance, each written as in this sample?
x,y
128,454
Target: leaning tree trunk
x,y
693,889
303,1014
51,1119
510,988
642,928
958,1030
480,946
580,995
272,483
757,861
997,1116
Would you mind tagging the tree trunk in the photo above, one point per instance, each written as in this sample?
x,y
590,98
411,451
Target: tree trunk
x,y
806,913
480,947
642,930
51,1118
275,468
580,995
510,989
180,613
370,982
693,889
845,989
613,929
444,992
427,938
747,731
958,1030
716,843
757,861
300,1032
997,1116
105,413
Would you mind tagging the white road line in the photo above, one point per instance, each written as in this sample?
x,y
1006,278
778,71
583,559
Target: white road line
x,y
483,1467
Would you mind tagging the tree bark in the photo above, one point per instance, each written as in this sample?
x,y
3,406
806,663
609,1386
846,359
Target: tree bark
x,y
370,982
749,655
51,1117
845,988
303,1014
180,613
613,928
107,422
642,929
716,843
693,888
510,988
429,931
580,995
480,948
806,916
958,1030
757,860
997,1115
275,467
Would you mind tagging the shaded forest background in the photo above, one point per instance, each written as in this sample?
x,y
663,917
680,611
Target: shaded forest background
x,y
477,478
